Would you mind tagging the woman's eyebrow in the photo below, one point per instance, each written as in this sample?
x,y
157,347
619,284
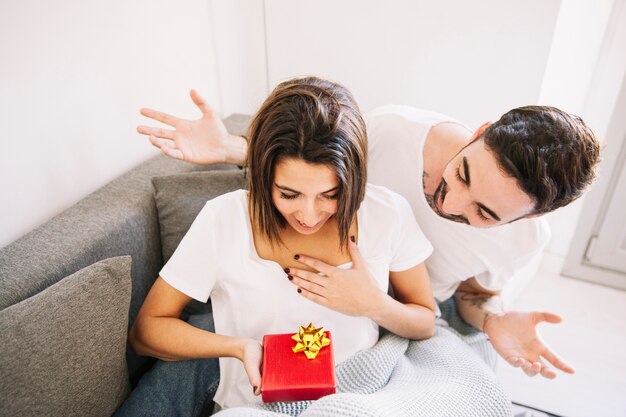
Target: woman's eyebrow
x,y
331,190
284,188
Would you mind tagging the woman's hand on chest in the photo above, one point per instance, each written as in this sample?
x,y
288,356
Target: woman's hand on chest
x,y
353,291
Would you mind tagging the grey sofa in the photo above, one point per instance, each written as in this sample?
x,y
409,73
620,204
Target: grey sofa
x,y
70,289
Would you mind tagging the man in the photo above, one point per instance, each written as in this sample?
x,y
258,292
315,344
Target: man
x,y
478,197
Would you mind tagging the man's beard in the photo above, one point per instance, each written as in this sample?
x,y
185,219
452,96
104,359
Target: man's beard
x,y
440,192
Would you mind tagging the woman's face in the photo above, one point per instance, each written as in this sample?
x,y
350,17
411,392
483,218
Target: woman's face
x,y
305,194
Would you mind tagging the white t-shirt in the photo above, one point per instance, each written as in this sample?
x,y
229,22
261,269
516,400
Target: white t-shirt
x,y
252,297
396,141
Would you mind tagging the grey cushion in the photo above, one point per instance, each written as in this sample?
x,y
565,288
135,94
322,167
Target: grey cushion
x,y
179,199
63,349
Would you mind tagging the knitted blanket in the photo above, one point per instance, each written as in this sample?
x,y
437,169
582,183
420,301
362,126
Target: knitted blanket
x,y
441,376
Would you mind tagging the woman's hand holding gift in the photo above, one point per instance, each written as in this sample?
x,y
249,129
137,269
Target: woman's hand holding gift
x,y
251,355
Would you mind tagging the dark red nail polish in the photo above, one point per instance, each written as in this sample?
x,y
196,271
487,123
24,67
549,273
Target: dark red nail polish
x,y
299,289
289,277
286,270
296,257
353,239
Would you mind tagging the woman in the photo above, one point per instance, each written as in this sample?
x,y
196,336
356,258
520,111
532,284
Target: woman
x,y
307,158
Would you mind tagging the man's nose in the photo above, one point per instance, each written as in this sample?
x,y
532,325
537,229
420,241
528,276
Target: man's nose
x,y
455,202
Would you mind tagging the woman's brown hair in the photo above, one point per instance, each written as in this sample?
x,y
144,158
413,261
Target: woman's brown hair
x,y
319,122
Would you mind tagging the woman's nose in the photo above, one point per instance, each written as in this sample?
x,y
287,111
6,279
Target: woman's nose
x,y
309,212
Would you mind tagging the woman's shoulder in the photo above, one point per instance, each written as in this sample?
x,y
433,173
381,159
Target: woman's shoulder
x,y
229,204
229,199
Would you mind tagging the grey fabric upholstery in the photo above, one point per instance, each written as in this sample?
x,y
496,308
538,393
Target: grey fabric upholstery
x,y
63,350
118,219
179,199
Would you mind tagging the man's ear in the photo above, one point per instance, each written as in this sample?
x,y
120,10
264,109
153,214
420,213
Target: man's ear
x,y
479,131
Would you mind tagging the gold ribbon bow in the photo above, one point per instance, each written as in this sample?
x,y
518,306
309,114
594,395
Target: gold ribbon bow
x,y
310,340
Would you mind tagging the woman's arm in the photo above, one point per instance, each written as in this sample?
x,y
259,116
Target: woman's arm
x,y
159,332
354,292
411,313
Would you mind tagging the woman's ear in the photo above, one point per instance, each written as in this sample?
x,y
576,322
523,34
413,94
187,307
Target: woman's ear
x,y
480,131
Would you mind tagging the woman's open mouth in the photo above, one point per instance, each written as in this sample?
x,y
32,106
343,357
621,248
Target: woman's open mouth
x,y
305,227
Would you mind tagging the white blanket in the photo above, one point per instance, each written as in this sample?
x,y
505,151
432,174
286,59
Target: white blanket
x,y
441,376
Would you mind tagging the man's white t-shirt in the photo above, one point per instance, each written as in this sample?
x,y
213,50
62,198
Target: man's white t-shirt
x,y
252,296
396,141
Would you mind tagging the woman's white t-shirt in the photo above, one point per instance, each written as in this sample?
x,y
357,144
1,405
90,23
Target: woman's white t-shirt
x,y
252,297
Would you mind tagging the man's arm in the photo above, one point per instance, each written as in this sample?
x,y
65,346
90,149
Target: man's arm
x,y
476,304
513,334
201,141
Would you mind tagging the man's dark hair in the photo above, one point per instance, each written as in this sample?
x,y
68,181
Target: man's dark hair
x,y
552,154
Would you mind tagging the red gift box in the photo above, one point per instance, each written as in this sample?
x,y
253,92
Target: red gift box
x,y
290,376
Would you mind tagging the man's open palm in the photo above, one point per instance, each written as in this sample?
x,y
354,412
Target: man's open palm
x,y
514,336
201,141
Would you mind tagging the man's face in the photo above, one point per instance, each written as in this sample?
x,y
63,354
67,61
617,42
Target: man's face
x,y
475,191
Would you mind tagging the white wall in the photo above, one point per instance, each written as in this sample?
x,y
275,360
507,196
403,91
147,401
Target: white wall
x,y
471,60
575,51
73,75
240,53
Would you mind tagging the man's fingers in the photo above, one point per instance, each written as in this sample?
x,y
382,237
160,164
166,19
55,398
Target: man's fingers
x,y
156,131
201,104
529,368
514,361
316,264
161,117
557,362
548,372
547,316
536,368
172,153
161,143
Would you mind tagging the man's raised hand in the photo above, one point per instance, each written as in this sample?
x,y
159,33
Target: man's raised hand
x,y
201,141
